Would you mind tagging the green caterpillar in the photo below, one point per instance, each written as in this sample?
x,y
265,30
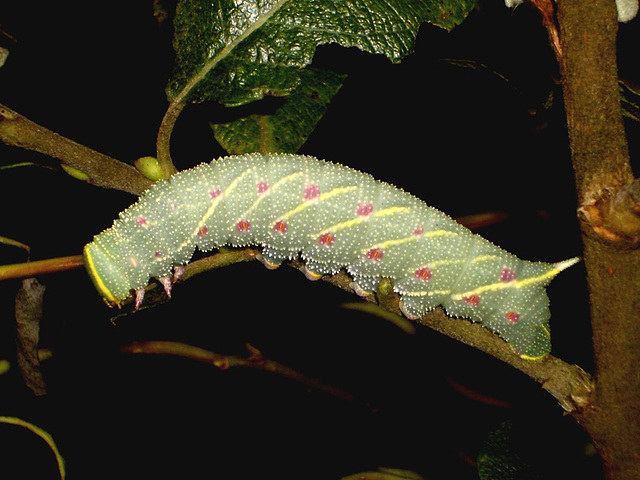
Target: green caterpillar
x,y
333,217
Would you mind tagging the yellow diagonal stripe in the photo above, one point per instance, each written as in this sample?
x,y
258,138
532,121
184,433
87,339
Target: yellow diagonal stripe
x,y
484,258
411,238
426,293
272,189
320,198
502,285
214,204
358,220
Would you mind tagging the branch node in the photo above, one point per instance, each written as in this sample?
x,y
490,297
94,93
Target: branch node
x,y
613,217
571,386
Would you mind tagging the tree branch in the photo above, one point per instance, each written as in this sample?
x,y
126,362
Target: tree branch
x,y
101,170
568,384
605,187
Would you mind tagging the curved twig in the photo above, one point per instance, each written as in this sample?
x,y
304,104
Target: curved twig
x,y
254,360
42,434
569,384
163,142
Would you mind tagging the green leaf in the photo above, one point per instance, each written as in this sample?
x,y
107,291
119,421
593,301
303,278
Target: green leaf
x,y
288,127
501,456
236,52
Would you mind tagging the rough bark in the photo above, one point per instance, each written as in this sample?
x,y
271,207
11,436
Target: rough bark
x,y
95,167
609,219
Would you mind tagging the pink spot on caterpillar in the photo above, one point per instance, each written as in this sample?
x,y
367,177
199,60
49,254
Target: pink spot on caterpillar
x,y
157,254
173,205
375,254
364,209
512,316
326,239
423,274
311,191
281,227
202,231
507,275
472,300
262,187
214,193
243,226
142,221
419,230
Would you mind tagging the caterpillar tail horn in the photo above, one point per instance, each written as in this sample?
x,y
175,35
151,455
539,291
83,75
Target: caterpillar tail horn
x,y
560,266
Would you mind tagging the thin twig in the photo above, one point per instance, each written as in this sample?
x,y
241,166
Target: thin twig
x,y
40,267
42,434
254,360
163,142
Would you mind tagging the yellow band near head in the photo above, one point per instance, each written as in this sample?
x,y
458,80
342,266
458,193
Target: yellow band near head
x,y
93,273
